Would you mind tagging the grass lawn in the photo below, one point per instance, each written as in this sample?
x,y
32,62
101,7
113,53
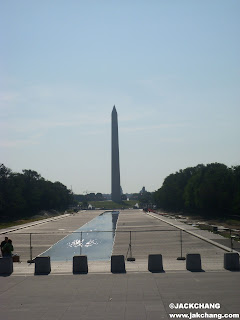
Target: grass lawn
x,y
106,205
8,224
23,220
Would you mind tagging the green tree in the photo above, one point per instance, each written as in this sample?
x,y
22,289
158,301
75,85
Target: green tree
x,y
24,194
212,189
145,199
236,190
99,196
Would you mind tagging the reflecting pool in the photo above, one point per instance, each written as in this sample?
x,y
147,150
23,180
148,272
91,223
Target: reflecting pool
x,y
95,239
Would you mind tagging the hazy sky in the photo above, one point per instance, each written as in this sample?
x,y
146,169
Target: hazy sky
x,y
171,67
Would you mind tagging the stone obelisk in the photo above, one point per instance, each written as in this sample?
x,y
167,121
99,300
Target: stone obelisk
x,y
116,189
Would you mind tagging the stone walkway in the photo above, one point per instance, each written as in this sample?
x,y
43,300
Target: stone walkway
x,y
150,234
135,295
47,232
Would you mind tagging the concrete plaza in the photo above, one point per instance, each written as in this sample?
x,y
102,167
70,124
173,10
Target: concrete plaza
x,y
138,294
130,296
150,234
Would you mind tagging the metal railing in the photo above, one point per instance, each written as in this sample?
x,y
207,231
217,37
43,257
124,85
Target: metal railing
x,y
25,241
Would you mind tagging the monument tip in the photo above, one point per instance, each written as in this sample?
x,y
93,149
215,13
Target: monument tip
x,y
114,108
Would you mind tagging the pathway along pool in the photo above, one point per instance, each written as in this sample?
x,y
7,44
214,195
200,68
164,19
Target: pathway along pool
x,y
93,243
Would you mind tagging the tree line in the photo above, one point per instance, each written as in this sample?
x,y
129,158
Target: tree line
x,y
89,197
25,194
209,190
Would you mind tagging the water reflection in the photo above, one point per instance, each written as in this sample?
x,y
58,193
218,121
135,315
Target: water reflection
x,y
114,223
78,243
94,239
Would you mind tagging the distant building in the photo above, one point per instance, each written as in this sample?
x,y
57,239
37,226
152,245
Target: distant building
x,y
123,197
121,190
107,196
143,190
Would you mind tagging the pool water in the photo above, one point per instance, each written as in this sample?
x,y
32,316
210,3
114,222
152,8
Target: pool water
x,y
88,240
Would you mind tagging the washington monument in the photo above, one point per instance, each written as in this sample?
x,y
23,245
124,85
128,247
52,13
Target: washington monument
x,y
116,189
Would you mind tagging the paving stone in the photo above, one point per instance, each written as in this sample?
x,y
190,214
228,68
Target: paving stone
x,y
138,294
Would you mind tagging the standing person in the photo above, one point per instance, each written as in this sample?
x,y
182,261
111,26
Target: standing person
x,y
3,244
8,249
